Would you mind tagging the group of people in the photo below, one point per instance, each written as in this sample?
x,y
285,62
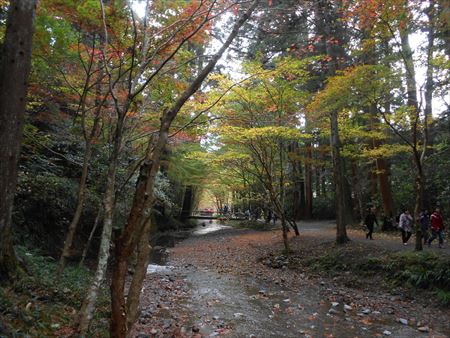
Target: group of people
x,y
433,223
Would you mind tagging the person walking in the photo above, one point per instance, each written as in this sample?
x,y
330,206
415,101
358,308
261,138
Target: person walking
x,y
369,221
437,227
424,219
405,224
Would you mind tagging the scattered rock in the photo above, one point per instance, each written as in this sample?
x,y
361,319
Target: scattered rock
x,y
366,311
403,321
333,311
142,335
238,315
387,333
347,307
334,304
423,329
195,329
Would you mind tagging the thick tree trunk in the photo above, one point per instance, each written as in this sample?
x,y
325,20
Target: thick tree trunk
x,y
14,70
138,222
134,292
385,186
341,232
187,203
358,190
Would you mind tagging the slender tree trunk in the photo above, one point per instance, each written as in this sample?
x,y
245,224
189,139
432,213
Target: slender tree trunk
x,y
308,182
429,87
88,306
14,70
91,235
89,141
78,211
385,186
412,102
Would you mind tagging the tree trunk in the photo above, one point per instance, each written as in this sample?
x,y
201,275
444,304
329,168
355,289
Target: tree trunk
x,y
138,222
412,102
385,186
134,292
308,181
14,70
91,235
341,232
89,141
187,203
78,211
88,306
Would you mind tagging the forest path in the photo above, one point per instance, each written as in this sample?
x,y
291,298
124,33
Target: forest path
x,y
391,240
216,285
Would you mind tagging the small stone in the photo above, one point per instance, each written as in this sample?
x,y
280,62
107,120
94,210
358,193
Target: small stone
x,y
262,292
195,329
366,311
154,331
376,312
215,317
403,321
334,304
333,311
238,315
287,300
322,283
55,326
347,307
387,333
423,329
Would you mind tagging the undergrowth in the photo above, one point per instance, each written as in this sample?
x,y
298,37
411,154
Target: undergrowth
x,y
40,305
409,270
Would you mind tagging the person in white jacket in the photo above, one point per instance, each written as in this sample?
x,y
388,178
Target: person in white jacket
x,y
405,224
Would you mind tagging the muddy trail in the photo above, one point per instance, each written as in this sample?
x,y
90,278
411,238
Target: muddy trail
x,y
215,284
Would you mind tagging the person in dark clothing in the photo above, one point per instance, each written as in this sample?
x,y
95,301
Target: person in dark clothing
x,y
424,219
370,220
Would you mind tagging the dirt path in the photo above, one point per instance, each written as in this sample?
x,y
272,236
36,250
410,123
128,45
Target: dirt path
x,y
216,285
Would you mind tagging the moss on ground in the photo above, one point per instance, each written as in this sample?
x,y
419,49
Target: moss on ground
x,y
40,305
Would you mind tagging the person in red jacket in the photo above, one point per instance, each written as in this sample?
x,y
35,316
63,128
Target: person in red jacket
x,y
437,227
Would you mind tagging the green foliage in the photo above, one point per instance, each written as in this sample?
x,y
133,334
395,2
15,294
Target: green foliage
x,y
443,297
420,270
40,305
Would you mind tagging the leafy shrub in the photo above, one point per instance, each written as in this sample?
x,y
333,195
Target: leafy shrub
x,y
44,206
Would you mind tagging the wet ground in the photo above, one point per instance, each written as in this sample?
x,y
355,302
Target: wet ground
x,y
213,285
